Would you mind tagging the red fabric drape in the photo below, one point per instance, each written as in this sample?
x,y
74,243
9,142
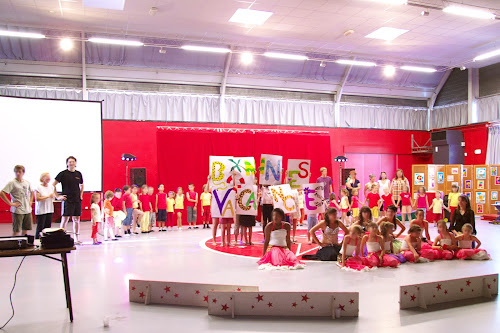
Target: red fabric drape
x,y
183,155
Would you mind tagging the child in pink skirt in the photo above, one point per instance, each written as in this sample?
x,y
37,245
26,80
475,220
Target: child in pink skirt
x,y
445,243
277,254
412,246
465,244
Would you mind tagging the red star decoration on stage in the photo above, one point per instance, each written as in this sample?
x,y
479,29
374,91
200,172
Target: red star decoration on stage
x,y
305,298
197,292
445,292
224,307
270,304
351,301
253,306
205,299
468,283
167,289
461,290
341,307
438,287
406,292
162,297
494,280
141,295
413,297
294,304
312,307
259,298
239,289
214,300
433,296
176,295
133,288
489,286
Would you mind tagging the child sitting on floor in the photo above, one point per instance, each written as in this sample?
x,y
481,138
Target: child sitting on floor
x,y
412,246
445,243
465,245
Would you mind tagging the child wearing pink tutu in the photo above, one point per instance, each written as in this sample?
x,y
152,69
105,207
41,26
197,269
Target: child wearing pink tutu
x,y
351,249
387,233
465,245
277,254
412,246
423,224
445,243
374,245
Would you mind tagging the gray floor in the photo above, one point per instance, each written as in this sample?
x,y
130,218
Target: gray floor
x,y
99,281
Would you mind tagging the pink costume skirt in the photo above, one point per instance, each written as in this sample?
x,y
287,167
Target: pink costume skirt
x,y
474,254
279,258
370,261
443,254
424,253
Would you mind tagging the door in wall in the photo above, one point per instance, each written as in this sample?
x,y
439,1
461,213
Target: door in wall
x,y
366,164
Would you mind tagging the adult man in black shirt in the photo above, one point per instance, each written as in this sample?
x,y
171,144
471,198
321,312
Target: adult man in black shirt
x,y
72,193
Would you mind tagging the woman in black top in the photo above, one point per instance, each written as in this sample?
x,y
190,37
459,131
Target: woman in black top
x,y
462,215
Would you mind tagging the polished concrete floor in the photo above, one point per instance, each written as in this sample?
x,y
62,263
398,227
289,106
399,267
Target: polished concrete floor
x,y
99,281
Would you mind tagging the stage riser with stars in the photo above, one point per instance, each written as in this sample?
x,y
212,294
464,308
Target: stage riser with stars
x,y
425,294
284,304
177,293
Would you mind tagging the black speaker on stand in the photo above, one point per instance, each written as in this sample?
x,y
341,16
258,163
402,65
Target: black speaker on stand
x,y
138,176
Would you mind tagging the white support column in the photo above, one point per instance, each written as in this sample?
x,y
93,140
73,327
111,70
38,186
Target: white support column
x,y
222,102
85,94
432,100
473,94
338,96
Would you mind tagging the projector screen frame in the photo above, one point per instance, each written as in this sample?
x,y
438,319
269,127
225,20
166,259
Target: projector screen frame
x,y
102,135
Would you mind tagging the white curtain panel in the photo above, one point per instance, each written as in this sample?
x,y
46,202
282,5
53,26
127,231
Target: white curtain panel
x,y
41,92
493,150
157,106
449,115
243,110
488,108
382,116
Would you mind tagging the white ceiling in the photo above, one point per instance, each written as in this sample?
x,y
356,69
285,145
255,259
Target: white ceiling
x,y
302,25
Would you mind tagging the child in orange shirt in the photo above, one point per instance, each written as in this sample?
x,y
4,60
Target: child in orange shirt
x,y
109,222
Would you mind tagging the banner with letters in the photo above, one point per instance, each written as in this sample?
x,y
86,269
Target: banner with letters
x,y
270,169
246,200
223,202
314,198
244,168
299,172
283,198
223,195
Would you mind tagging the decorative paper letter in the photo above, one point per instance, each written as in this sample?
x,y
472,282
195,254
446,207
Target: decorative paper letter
x,y
246,200
223,203
299,172
313,198
283,198
270,169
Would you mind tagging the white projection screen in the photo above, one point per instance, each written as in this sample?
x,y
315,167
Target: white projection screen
x,y
40,134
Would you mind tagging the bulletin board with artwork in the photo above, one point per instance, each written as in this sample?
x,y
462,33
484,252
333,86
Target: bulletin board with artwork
x,y
481,177
419,176
467,173
494,177
481,202
453,175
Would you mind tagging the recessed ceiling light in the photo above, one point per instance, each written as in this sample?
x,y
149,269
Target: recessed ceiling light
x,y
487,55
386,33
285,56
469,12
250,16
8,33
356,63
391,2
419,69
205,49
389,71
123,42
66,44
246,58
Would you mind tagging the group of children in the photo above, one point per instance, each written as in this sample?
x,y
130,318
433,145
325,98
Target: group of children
x,y
127,209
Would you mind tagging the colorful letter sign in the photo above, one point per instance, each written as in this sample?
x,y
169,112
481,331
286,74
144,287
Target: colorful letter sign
x,y
313,198
223,203
221,172
270,169
244,168
283,198
299,172
246,200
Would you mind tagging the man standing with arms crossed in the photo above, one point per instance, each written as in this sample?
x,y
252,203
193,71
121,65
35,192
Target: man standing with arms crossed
x,y
72,195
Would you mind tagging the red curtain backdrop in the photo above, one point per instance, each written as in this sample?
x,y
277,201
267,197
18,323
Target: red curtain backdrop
x,y
183,154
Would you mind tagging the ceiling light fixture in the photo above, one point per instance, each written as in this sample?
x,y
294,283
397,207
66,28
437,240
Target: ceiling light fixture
x,y
286,56
469,12
246,58
122,42
419,69
389,71
250,16
356,63
66,44
8,33
386,33
322,64
391,2
487,55
205,49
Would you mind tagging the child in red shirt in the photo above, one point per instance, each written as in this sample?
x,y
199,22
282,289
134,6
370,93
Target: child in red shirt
x,y
388,200
374,201
145,205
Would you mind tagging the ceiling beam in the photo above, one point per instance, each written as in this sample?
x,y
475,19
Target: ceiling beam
x,y
435,93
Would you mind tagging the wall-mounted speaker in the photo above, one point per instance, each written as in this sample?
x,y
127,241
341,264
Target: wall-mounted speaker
x,y
138,176
447,147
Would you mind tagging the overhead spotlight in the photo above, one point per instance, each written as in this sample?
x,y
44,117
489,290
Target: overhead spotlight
x,y
66,44
246,58
162,50
389,71
153,11
128,157
340,158
425,13
322,64
462,68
